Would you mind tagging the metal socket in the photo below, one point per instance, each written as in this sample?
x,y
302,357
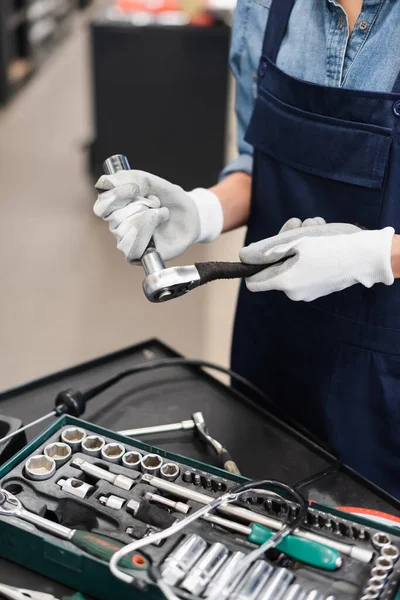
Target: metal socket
x,y
379,573
112,501
73,436
380,540
371,593
132,460
254,581
182,559
76,487
40,467
113,452
205,569
391,551
376,583
93,445
151,464
169,471
60,452
385,563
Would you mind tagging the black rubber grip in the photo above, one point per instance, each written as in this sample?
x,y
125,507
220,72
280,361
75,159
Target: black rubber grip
x,y
154,515
210,271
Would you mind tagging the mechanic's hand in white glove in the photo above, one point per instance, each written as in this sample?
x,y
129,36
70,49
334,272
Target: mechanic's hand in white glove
x,y
139,206
320,259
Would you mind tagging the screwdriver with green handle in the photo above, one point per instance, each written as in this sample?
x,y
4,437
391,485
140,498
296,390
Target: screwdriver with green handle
x,y
99,546
305,551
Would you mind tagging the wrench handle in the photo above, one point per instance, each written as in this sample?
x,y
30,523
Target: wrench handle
x,y
151,260
210,271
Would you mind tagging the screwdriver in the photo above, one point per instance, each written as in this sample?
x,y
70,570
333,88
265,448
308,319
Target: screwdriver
x,y
305,551
99,546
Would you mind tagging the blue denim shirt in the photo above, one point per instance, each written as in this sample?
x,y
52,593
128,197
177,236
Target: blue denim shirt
x,y
316,48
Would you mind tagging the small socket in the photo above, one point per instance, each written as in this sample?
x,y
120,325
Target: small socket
x,y
371,593
391,552
73,436
93,445
59,452
112,501
75,487
379,573
113,452
151,463
384,563
40,467
376,583
380,540
169,471
132,460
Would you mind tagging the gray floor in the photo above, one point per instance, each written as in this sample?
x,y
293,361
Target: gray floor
x,y
67,294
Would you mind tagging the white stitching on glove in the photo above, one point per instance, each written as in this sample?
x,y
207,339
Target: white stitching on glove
x,y
138,206
320,259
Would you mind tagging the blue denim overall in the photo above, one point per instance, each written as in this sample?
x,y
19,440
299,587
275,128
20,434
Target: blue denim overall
x,y
332,364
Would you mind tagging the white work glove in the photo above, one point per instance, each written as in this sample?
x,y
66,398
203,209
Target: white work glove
x,y
320,259
138,206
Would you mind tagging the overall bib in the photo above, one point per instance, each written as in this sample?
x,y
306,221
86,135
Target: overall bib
x,y
332,364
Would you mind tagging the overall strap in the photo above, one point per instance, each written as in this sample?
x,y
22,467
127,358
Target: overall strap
x,y
278,18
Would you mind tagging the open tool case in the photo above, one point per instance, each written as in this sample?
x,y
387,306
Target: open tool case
x,y
24,544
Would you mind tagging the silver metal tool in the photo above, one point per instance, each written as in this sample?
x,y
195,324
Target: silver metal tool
x,y
196,479
59,452
379,573
384,563
253,582
204,570
295,592
180,507
14,593
113,452
112,501
73,436
39,467
278,584
391,551
182,559
151,260
224,582
376,583
182,426
76,487
151,463
315,595
169,471
120,481
371,593
356,552
133,506
380,540
93,445
132,460
187,476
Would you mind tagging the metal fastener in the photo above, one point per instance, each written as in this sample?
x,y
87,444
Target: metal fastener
x,y
93,445
60,452
380,540
121,481
73,436
169,471
40,467
112,452
151,463
391,552
132,460
112,501
76,487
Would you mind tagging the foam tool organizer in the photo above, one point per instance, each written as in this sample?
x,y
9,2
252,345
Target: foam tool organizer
x,y
77,493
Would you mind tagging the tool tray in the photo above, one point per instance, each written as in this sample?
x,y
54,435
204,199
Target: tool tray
x,y
24,544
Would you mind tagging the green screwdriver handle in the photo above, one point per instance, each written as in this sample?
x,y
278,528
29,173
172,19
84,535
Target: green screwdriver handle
x,y
305,551
103,547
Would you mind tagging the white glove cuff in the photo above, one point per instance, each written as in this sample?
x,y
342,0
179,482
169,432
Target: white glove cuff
x,y
375,256
210,214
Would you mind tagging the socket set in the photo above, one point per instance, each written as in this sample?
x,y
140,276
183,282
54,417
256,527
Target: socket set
x,y
86,482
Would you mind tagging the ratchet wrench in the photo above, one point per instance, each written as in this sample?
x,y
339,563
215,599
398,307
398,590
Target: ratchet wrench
x,y
162,283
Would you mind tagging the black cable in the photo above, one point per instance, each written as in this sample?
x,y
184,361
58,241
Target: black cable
x,y
172,362
319,475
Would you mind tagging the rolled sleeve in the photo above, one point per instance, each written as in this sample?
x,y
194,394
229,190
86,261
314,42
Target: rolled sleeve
x,y
243,163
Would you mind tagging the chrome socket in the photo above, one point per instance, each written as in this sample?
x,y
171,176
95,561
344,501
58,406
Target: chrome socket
x,y
380,540
376,583
73,436
151,464
132,460
379,573
278,584
295,592
371,593
39,467
114,502
182,559
93,445
253,582
169,471
60,452
384,563
113,452
391,552
226,580
76,487
208,565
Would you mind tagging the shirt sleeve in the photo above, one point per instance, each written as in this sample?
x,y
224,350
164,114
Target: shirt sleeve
x,y
248,28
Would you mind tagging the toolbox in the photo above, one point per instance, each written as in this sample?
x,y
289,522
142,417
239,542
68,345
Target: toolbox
x,y
59,487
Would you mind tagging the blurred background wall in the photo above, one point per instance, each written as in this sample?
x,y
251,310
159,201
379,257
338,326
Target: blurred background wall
x,y
67,294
